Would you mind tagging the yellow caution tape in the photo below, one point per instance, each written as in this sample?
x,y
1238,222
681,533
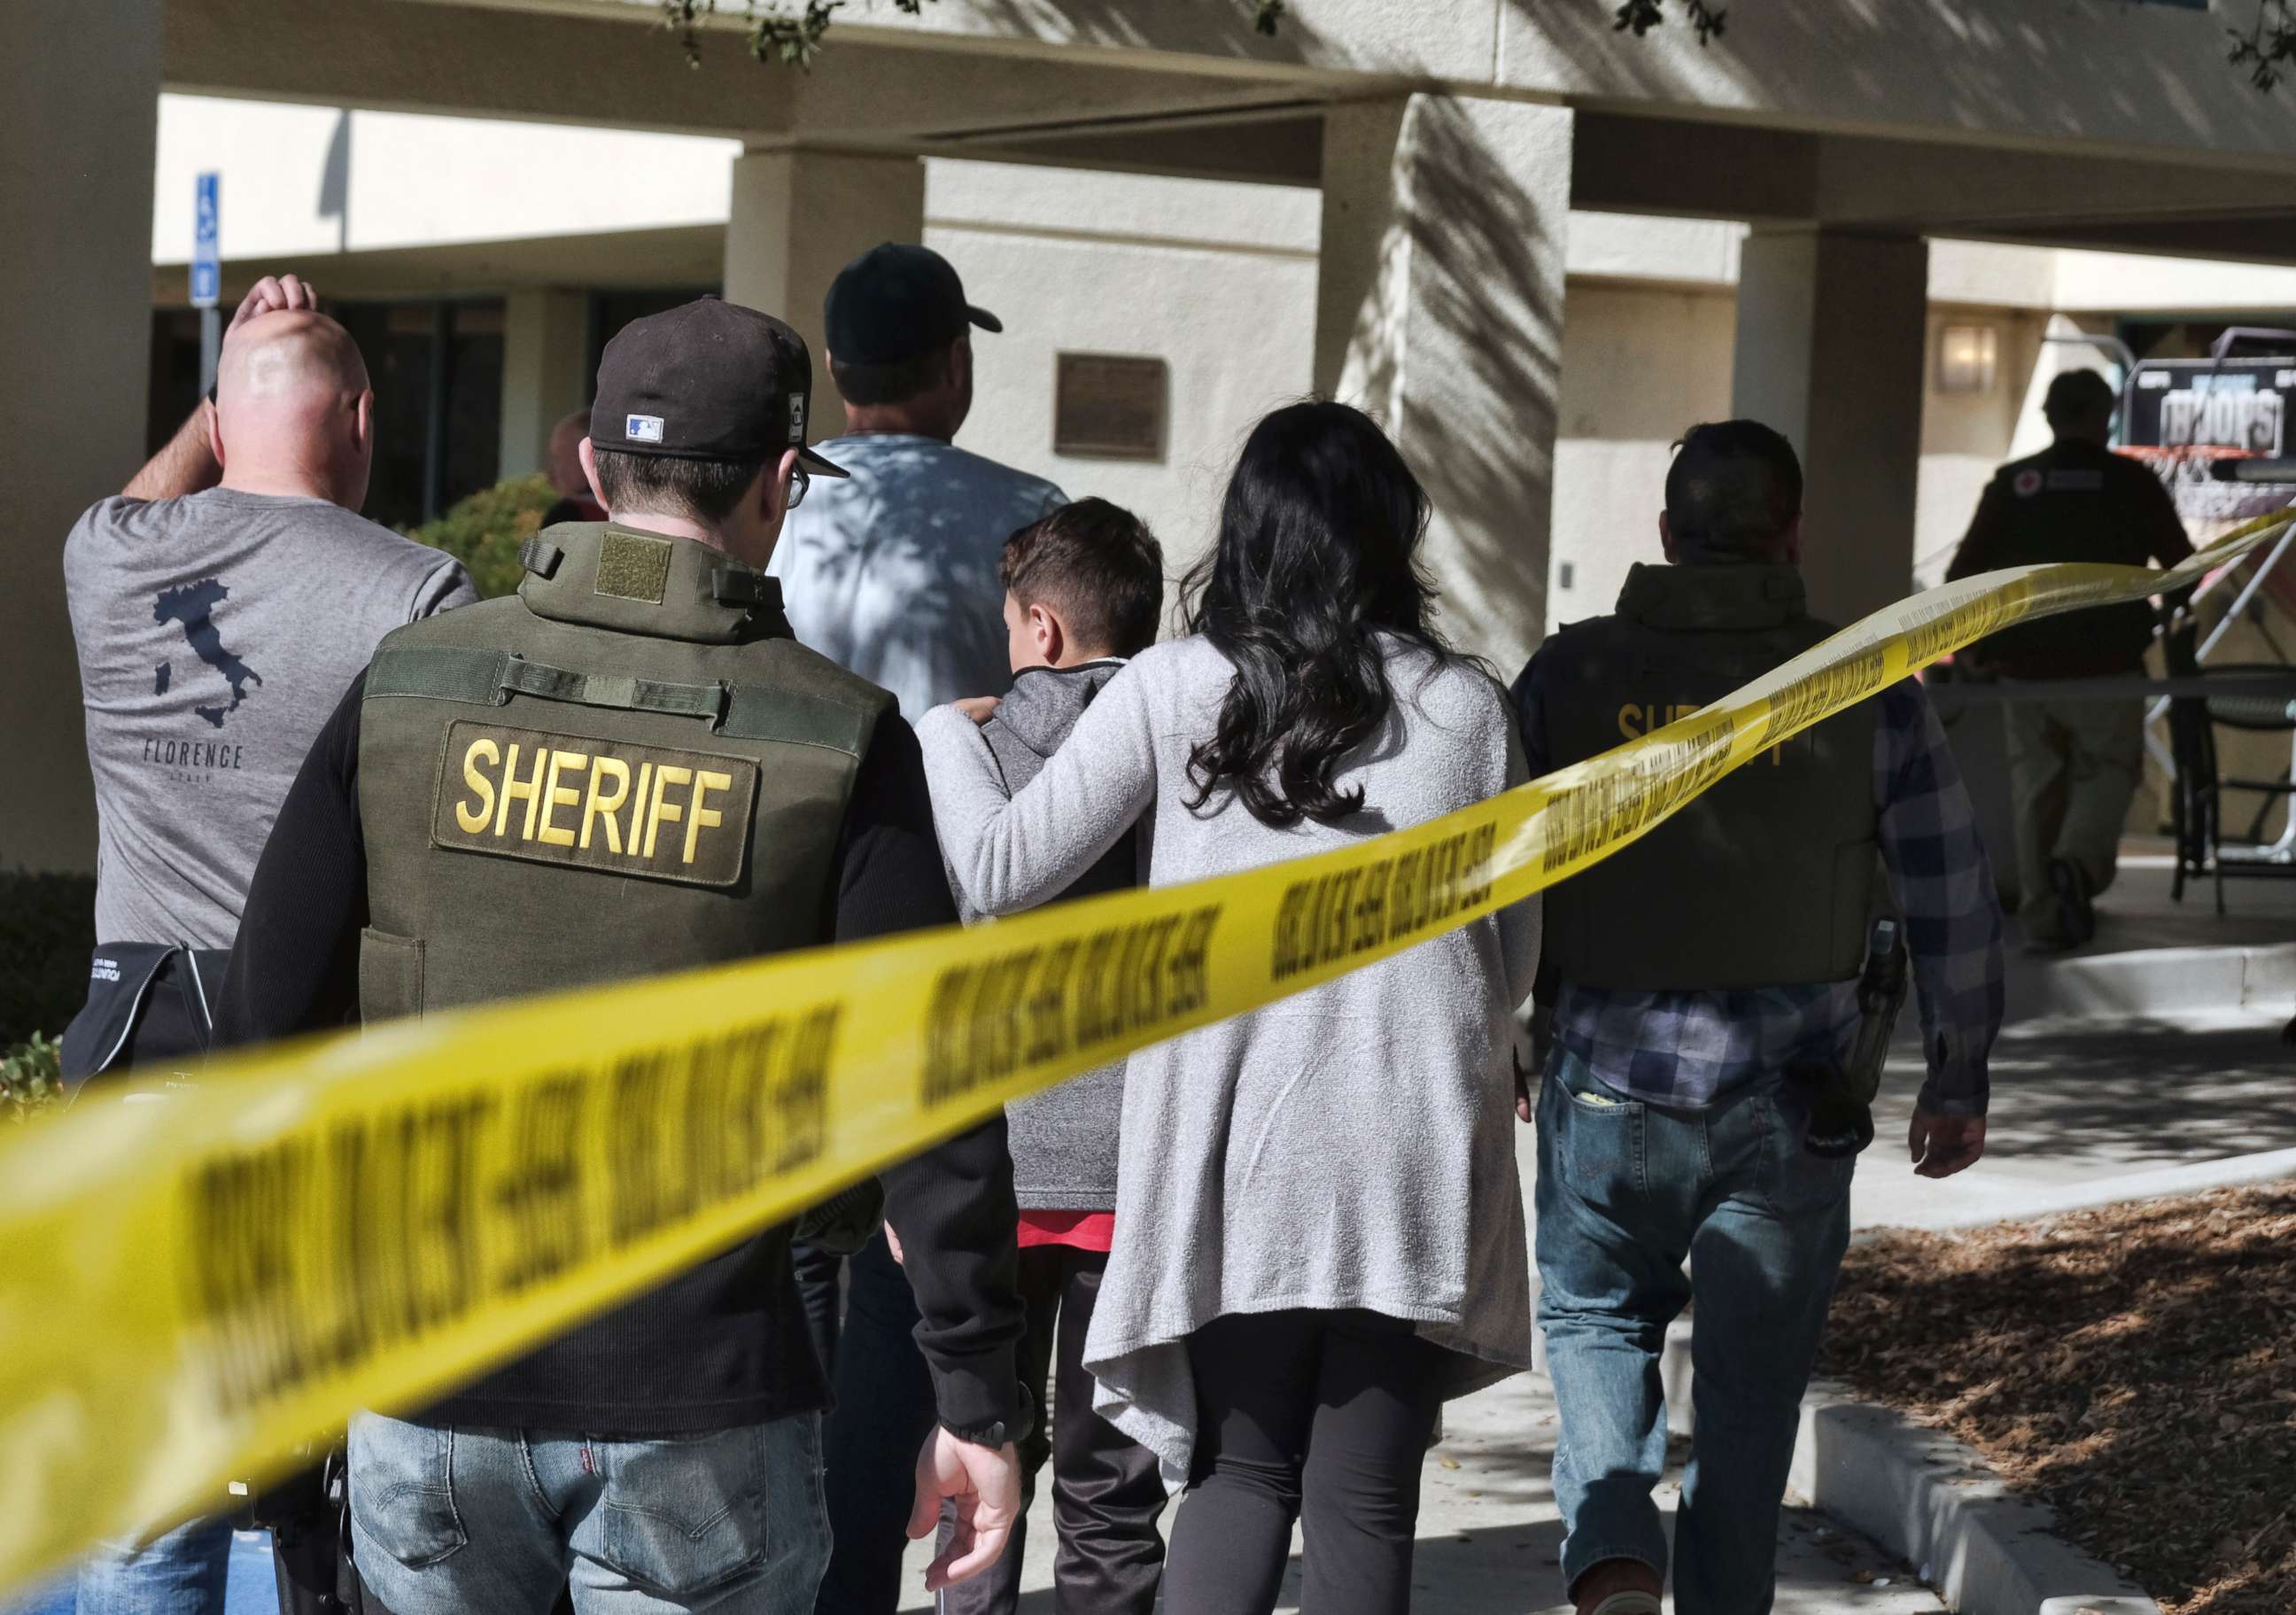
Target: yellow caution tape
x,y
198,1284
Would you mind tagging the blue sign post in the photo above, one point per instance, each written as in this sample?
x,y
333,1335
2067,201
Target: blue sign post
x,y
206,272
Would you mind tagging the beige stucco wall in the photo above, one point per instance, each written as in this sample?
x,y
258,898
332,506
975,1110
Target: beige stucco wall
x,y
1643,362
2104,71
1966,436
301,180
1217,280
1639,365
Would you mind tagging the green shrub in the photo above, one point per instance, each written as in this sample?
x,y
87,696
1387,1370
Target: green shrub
x,y
47,930
484,532
31,1078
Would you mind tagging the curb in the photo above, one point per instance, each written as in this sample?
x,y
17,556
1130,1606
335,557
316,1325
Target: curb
x,y
2229,1172
2155,981
1921,1493
1931,1499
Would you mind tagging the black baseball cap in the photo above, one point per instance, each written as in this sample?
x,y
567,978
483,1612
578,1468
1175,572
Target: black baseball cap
x,y
894,302
708,379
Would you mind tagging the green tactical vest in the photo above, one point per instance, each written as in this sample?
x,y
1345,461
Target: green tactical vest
x,y
1768,878
630,768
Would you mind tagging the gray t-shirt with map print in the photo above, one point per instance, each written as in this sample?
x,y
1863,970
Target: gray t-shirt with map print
x,y
216,635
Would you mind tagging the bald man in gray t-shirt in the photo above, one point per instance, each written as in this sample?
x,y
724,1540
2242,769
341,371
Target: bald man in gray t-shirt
x,y
217,628
221,606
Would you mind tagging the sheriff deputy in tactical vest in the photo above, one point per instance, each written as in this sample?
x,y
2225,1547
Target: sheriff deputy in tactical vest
x,y
1722,992
632,767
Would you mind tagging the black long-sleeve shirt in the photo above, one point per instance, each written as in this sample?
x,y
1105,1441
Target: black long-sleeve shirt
x,y
677,1360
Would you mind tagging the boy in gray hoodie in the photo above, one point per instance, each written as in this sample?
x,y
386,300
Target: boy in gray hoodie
x,y
1084,588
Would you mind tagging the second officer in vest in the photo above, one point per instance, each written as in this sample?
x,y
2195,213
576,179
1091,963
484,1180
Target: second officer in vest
x,y
1699,1101
632,767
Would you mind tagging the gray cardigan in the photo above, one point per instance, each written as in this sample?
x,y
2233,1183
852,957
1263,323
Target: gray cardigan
x,y
1064,1148
1351,1146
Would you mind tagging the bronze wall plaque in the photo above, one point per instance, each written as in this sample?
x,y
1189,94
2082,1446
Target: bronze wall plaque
x,y
1110,406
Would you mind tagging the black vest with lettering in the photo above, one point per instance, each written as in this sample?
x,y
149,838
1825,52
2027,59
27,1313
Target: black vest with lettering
x,y
630,768
1765,880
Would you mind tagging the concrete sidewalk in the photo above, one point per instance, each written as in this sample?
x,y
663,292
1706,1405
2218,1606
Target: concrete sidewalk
x,y
2078,1104
1490,1534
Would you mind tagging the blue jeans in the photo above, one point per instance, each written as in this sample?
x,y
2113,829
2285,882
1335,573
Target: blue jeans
x,y
180,1573
1627,1190
446,1519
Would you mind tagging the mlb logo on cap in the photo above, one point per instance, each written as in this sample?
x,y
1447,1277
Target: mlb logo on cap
x,y
708,379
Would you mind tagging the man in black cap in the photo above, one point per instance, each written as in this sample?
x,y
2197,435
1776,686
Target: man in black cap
x,y
636,735
893,574
2073,765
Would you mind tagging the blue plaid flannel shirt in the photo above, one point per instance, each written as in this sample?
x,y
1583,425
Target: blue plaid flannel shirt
x,y
1687,1049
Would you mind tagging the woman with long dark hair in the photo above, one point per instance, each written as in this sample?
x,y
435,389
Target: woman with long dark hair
x,y
1319,1234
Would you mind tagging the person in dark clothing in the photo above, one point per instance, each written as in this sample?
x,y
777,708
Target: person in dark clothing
x,y
798,816
1707,1014
2073,765
1084,588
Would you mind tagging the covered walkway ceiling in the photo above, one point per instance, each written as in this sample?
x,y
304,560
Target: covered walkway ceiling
x,y
1172,86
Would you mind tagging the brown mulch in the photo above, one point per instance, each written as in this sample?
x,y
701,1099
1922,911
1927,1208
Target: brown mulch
x,y
2134,1367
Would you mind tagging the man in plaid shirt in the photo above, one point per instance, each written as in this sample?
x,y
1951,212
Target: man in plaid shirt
x,y
1702,975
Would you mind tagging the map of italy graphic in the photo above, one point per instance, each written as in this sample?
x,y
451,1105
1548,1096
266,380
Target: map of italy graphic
x,y
192,606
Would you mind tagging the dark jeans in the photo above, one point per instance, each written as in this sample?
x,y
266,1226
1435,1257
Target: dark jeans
x,y
885,1411
1323,1417
1107,1494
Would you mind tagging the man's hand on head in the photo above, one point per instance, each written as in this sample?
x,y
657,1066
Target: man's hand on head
x,y
1942,1146
273,294
985,1484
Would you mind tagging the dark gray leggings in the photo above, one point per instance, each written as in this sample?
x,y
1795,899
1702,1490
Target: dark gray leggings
x,y
1322,1417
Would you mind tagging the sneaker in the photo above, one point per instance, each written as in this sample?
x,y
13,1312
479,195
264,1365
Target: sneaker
x,y
2076,913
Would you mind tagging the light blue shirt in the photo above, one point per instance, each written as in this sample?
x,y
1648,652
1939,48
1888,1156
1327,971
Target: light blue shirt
x,y
892,572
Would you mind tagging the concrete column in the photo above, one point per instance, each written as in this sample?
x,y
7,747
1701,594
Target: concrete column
x,y
79,94
798,216
1831,340
1439,309
545,367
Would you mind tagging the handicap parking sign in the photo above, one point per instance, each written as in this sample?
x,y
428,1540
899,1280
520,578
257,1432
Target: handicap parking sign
x,y
207,266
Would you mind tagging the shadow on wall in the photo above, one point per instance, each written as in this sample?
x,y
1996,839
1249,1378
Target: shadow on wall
x,y
2076,72
904,591
1486,283
335,181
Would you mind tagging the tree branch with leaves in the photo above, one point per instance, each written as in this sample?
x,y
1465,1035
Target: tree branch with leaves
x,y
2267,48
